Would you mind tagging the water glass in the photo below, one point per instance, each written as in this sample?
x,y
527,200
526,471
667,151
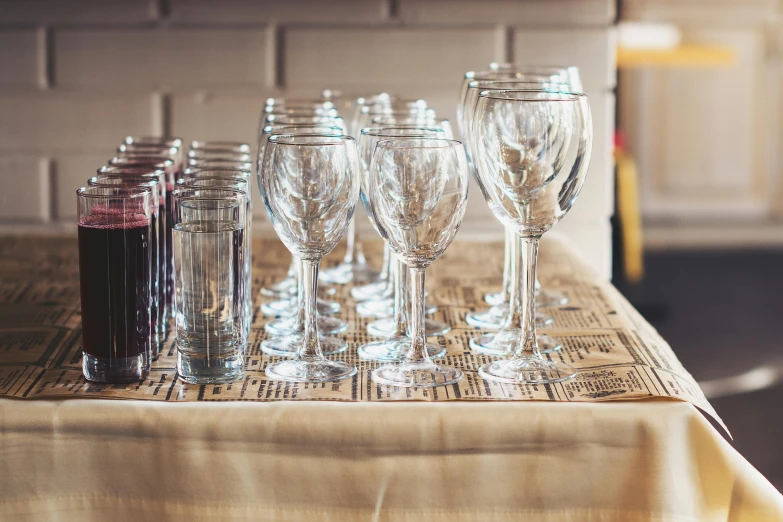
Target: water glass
x,y
209,282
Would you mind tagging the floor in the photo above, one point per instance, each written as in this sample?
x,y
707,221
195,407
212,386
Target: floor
x,y
722,313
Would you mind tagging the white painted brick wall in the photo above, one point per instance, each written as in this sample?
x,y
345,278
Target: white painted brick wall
x,y
77,76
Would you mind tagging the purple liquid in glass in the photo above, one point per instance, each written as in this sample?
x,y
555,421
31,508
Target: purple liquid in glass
x,y
114,264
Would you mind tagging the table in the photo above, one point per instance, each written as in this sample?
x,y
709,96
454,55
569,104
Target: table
x,y
354,451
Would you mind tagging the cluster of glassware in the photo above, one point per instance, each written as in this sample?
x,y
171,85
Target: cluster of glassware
x,y
163,231
527,135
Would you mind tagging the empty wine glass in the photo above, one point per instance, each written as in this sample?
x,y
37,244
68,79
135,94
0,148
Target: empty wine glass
x,y
310,185
391,317
287,288
496,316
418,191
532,152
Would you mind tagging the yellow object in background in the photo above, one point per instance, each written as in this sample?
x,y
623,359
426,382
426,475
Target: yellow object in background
x,y
629,215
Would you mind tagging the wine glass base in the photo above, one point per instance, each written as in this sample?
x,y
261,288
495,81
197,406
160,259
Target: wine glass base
x,y
287,307
420,374
388,328
372,291
503,343
495,318
495,298
288,345
527,370
284,288
298,370
385,308
551,298
288,325
358,273
395,350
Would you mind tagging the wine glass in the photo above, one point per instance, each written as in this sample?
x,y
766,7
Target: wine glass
x,y
418,190
310,185
286,290
392,318
532,152
496,316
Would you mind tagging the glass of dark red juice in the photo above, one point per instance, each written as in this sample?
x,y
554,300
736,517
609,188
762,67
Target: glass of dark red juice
x,y
155,179
115,273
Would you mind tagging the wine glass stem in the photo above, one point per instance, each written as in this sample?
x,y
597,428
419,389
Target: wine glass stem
x,y
510,238
386,268
516,296
401,301
311,348
300,295
418,350
528,248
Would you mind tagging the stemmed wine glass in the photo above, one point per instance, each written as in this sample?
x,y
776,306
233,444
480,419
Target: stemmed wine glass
x,y
532,151
392,317
354,267
287,288
418,189
289,329
310,185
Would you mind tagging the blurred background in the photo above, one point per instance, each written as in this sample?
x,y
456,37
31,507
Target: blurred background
x,y
683,206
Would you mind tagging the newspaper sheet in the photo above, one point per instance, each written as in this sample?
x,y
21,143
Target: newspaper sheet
x,y
618,355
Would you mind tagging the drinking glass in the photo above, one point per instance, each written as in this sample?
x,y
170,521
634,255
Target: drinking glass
x,y
495,317
240,183
532,152
144,152
115,269
418,190
142,143
391,317
155,181
310,185
158,162
209,266
288,286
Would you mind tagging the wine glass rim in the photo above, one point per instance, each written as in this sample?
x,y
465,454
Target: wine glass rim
x,y
379,131
495,94
542,69
476,83
199,163
292,119
279,139
118,192
398,143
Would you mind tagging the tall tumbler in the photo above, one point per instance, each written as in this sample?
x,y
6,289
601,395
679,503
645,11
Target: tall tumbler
x,y
115,268
136,151
240,183
209,283
158,314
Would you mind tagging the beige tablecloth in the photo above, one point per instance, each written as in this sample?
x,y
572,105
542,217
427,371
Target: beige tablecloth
x,y
264,450
84,460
